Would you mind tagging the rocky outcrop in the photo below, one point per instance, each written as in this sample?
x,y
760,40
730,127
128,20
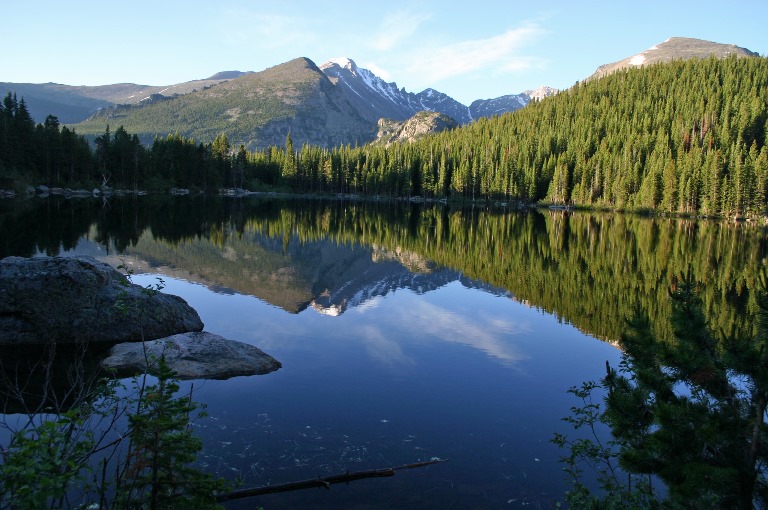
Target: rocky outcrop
x,y
71,299
200,355
418,126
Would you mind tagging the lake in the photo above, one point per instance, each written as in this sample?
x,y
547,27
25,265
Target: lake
x,y
407,332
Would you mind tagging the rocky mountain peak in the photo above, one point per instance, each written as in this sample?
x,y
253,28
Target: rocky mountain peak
x,y
541,92
342,62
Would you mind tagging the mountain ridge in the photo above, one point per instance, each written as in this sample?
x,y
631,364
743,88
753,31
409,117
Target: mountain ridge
x,y
336,103
256,110
376,98
74,104
674,48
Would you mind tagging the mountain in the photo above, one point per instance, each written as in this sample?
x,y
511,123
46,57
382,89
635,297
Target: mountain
x,y
421,124
371,96
376,99
228,75
327,277
675,48
336,104
489,107
333,104
256,109
73,104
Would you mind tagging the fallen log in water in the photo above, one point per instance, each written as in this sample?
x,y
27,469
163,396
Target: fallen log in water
x,y
322,482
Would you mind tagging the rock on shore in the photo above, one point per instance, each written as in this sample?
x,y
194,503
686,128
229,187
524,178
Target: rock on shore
x,y
197,355
72,299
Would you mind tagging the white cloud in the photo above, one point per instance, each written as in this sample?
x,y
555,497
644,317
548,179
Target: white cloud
x,y
396,27
499,54
383,348
486,334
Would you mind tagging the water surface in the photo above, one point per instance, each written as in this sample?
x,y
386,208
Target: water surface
x,y
406,333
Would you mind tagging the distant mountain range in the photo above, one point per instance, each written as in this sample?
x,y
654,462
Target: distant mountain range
x,y
373,97
73,104
327,277
337,103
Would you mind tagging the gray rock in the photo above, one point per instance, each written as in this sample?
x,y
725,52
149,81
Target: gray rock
x,y
69,299
200,355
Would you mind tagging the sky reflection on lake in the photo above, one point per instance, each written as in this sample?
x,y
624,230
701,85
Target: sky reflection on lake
x,y
455,373
406,332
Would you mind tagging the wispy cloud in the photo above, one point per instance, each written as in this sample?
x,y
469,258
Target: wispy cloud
x,y
383,348
397,27
490,335
499,54
265,30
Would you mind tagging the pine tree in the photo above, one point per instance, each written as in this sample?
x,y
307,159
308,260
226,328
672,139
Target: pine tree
x,y
159,471
679,413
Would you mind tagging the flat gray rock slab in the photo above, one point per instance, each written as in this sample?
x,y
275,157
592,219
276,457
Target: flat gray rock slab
x,y
196,355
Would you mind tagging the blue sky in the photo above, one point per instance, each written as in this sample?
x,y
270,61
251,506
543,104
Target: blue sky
x,y
472,49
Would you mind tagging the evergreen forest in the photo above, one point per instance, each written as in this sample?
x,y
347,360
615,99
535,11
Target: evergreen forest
x,y
685,137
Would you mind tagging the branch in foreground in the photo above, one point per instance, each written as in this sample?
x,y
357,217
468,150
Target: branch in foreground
x,y
324,482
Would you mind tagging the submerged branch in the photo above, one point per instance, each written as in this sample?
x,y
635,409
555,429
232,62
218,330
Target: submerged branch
x,y
324,482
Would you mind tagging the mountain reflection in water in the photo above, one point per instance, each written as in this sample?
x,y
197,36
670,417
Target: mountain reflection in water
x,y
450,333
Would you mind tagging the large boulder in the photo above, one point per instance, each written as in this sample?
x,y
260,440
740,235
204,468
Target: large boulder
x,y
71,299
199,355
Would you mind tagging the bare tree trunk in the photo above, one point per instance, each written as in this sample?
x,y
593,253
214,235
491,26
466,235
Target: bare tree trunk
x,y
321,482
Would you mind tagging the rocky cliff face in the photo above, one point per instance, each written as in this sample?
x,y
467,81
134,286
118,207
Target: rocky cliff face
x,y
323,116
375,99
422,124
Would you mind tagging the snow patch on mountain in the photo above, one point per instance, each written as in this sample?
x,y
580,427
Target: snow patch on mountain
x,y
343,62
376,98
541,92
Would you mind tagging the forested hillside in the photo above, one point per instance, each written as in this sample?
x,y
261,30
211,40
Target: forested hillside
x,y
680,137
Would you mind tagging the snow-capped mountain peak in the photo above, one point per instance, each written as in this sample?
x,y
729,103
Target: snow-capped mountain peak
x,y
343,62
541,92
375,98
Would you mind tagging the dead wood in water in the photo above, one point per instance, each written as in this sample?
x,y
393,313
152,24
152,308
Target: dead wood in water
x,y
322,482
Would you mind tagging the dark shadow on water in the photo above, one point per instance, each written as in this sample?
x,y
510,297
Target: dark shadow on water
x,y
48,378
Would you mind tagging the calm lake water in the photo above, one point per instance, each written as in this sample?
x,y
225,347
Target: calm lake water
x,y
406,332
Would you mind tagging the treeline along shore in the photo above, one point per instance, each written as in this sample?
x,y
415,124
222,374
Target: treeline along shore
x,y
685,137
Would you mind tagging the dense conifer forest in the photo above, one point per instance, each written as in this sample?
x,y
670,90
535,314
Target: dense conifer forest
x,y
683,137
